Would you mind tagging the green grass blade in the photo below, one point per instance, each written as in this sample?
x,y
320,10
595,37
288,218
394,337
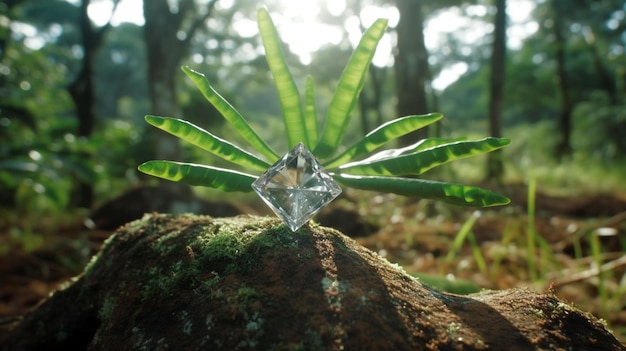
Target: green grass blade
x,y
310,112
459,239
447,192
422,161
230,114
193,174
290,101
207,141
383,134
531,231
478,254
348,90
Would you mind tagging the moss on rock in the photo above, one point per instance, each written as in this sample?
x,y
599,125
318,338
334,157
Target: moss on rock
x,y
190,282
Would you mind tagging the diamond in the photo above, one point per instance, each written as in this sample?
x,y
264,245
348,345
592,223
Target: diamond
x,y
296,187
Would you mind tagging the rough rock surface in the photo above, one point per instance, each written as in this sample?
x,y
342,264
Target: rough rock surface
x,y
186,282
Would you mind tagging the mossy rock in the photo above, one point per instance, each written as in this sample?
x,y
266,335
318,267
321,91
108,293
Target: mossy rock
x,y
186,282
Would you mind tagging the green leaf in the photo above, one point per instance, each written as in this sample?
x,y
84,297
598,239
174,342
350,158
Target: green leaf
x,y
419,146
290,101
422,161
194,174
428,143
310,112
383,134
348,90
207,141
230,114
427,189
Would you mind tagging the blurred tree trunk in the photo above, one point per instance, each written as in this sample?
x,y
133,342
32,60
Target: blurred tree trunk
x,y
82,92
563,148
411,63
495,167
167,42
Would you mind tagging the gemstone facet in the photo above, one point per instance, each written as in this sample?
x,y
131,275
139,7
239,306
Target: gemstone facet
x,y
296,187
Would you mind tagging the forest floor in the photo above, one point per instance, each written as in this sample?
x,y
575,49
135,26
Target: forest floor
x,y
577,248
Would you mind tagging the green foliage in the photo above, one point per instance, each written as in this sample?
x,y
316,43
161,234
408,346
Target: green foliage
x,y
40,155
427,189
230,114
117,145
348,88
419,162
193,174
600,127
381,171
288,94
36,170
381,135
207,141
466,234
310,111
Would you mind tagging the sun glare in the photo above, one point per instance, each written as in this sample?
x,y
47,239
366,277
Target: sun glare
x,y
299,27
302,30
127,11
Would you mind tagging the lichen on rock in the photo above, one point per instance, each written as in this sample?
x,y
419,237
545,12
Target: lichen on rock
x,y
188,282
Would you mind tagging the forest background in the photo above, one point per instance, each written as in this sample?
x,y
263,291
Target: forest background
x,y
77,78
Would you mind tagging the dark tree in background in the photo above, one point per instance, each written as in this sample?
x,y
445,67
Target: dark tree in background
x,y
564,147
82,90
495,167
411,65
168,32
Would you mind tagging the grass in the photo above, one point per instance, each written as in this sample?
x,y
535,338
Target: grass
x,y
518,246
531,232
466,234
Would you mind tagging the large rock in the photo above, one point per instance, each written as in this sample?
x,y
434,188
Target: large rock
x,y
186,282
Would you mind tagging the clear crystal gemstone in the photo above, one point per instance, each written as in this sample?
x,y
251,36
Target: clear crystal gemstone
x,y
296,187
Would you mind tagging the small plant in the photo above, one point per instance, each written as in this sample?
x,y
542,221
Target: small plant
x,y
355,166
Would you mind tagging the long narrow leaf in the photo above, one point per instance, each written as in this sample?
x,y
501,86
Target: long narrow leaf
x,y
348,90
310,112
422,161
411,149
427,189
230,114
194,174
290,101
383,134
207,141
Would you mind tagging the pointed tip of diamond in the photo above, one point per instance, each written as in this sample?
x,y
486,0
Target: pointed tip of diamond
x,y
296,187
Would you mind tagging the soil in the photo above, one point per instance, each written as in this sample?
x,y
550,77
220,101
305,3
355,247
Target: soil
x,y
197,282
